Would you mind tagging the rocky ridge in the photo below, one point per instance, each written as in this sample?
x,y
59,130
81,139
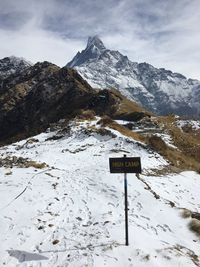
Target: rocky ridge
x,y
45,93
11,65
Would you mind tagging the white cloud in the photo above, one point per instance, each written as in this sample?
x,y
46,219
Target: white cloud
x,y
162,33
38,45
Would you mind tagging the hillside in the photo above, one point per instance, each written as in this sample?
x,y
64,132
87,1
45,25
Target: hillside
x,y
60,206
45,93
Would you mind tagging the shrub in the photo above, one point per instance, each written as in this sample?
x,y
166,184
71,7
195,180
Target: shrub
x,y
186,213
194,226
157,143
105,121
86,115
35,164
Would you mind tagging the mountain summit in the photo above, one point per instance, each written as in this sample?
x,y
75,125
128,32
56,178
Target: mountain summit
x,y
94,49
95,42
11,65
158,90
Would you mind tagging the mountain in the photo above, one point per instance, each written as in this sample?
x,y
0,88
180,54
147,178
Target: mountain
x,y
11,65
46,93
158,90
59,203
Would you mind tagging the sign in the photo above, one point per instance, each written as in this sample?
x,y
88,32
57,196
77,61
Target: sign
x,y
125,165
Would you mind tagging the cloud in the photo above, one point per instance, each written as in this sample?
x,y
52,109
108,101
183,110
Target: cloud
x,y
38,45
162,33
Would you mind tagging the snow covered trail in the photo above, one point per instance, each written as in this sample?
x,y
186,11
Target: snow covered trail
x,y
71,213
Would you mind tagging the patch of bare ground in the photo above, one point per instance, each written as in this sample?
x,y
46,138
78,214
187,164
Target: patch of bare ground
x,y
162,171
184,157
127,109
194,224
20,162
108,122
86,115
180,250
187,154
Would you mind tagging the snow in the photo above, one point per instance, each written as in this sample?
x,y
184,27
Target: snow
x,y
159,90
195,124
71,213
167,139
11,65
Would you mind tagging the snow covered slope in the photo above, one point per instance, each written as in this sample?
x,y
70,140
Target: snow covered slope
x,y
159,90
71,212
11,65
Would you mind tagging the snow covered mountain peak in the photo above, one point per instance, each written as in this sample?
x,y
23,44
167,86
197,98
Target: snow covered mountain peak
x,y
96,42
156,89
93,50
11,65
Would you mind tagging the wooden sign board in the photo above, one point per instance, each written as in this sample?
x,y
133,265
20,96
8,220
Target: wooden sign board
x,y
125,165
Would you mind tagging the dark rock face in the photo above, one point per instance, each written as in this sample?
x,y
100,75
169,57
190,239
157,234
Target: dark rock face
x,y
103,103
43,93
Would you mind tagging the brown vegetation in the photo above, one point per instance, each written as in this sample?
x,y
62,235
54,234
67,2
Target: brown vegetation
x,y
19,162
186,213
187,154
86,115
107,121
194,225
127,109
35,164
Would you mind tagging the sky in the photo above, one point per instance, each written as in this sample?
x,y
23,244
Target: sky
x,y
163,33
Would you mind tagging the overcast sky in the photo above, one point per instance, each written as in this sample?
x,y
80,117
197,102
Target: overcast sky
x,y
164,33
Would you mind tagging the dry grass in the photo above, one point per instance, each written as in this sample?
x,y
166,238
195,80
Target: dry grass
x,y
86,115
35,164
163,171
179,158
194,226
125,131
127,109
20,162
185,157
157,144
126,105
101,131
186,213
107,121
188,144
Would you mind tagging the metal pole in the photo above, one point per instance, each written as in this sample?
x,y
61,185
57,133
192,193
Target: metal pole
x,y
126,207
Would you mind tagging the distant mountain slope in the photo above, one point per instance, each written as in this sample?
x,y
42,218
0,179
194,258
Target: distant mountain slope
x,y
159,90
11,65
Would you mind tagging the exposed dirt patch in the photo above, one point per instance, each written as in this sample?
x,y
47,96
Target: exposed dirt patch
x,y
13,161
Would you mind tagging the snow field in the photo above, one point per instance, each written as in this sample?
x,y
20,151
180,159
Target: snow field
x,y
72,212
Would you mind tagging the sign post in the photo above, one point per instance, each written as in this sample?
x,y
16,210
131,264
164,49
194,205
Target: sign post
x,y
125,165
126,206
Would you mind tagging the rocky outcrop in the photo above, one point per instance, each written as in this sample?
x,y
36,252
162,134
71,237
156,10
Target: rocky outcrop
x,y
44,93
